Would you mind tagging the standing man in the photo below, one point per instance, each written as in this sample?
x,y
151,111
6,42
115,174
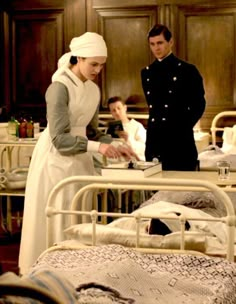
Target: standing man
x,y
175,95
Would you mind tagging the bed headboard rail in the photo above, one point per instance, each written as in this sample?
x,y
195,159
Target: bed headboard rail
x,y
98,182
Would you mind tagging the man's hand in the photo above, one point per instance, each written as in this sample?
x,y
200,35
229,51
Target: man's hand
x,y
124,135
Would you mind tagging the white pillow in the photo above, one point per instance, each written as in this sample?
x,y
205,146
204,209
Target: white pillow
x,y
159,208
109,235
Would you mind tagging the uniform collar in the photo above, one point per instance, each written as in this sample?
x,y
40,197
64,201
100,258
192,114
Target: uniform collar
x,y
170,59
160,60
73,77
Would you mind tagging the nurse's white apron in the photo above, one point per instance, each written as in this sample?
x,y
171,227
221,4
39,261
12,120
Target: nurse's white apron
x,y
47,168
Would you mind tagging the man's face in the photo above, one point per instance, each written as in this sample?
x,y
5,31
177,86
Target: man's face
x,y
159,46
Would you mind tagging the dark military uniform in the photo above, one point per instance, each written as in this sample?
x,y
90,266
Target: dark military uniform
x,y
175,95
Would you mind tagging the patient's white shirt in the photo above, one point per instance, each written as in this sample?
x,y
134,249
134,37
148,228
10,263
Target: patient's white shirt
x,y
137,137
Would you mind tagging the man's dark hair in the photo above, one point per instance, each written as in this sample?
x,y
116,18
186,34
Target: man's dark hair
x,y
159,29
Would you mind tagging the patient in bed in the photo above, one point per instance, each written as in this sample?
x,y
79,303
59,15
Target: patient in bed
x,y
165,232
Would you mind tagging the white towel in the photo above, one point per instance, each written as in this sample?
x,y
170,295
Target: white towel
x,y
229,140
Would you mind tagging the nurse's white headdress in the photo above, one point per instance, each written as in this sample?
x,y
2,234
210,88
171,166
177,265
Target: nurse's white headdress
x,y
86,45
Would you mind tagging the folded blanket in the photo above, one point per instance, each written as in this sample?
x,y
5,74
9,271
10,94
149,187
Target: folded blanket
x,y
42,284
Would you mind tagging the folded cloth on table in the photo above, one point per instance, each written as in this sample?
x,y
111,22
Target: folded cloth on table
x,y
16,178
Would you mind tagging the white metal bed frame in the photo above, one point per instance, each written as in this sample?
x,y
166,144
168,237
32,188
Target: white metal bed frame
x,y
215,121
98,182
104,117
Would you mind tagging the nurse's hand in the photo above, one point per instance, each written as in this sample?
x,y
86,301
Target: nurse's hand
x,y
111,151
127,152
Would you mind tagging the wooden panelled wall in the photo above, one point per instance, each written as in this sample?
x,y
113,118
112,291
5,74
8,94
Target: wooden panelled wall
x,y
35,33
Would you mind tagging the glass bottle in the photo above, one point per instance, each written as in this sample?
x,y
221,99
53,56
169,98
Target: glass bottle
x,y
13,129
22,127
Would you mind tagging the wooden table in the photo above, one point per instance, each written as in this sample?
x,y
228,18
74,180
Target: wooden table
x,y
211,176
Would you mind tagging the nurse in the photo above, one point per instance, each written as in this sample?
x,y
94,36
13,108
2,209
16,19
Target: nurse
x,y
64,147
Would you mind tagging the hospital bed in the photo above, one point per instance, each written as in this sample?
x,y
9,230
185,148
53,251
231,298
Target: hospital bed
x,y
135,270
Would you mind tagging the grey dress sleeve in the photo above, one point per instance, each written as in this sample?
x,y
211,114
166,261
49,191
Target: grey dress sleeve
x,y
93,132
57,99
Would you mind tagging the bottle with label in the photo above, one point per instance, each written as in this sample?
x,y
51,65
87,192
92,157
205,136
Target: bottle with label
x,y
13,128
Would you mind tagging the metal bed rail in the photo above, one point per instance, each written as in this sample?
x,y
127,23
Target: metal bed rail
x,y
95,182
215,121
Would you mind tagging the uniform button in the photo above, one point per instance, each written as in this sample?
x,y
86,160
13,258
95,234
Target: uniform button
x,y
170,91
179,64
148,92
153,119
163,119
150,106
148,79
147,68
174,78
166,106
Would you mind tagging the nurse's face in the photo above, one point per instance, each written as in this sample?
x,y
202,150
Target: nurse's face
x,y
90,67
159,46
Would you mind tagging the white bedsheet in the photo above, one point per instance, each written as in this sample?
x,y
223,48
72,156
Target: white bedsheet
x,y
212,154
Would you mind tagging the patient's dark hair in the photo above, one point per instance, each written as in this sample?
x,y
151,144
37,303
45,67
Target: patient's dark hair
x,y
159,29
114,99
